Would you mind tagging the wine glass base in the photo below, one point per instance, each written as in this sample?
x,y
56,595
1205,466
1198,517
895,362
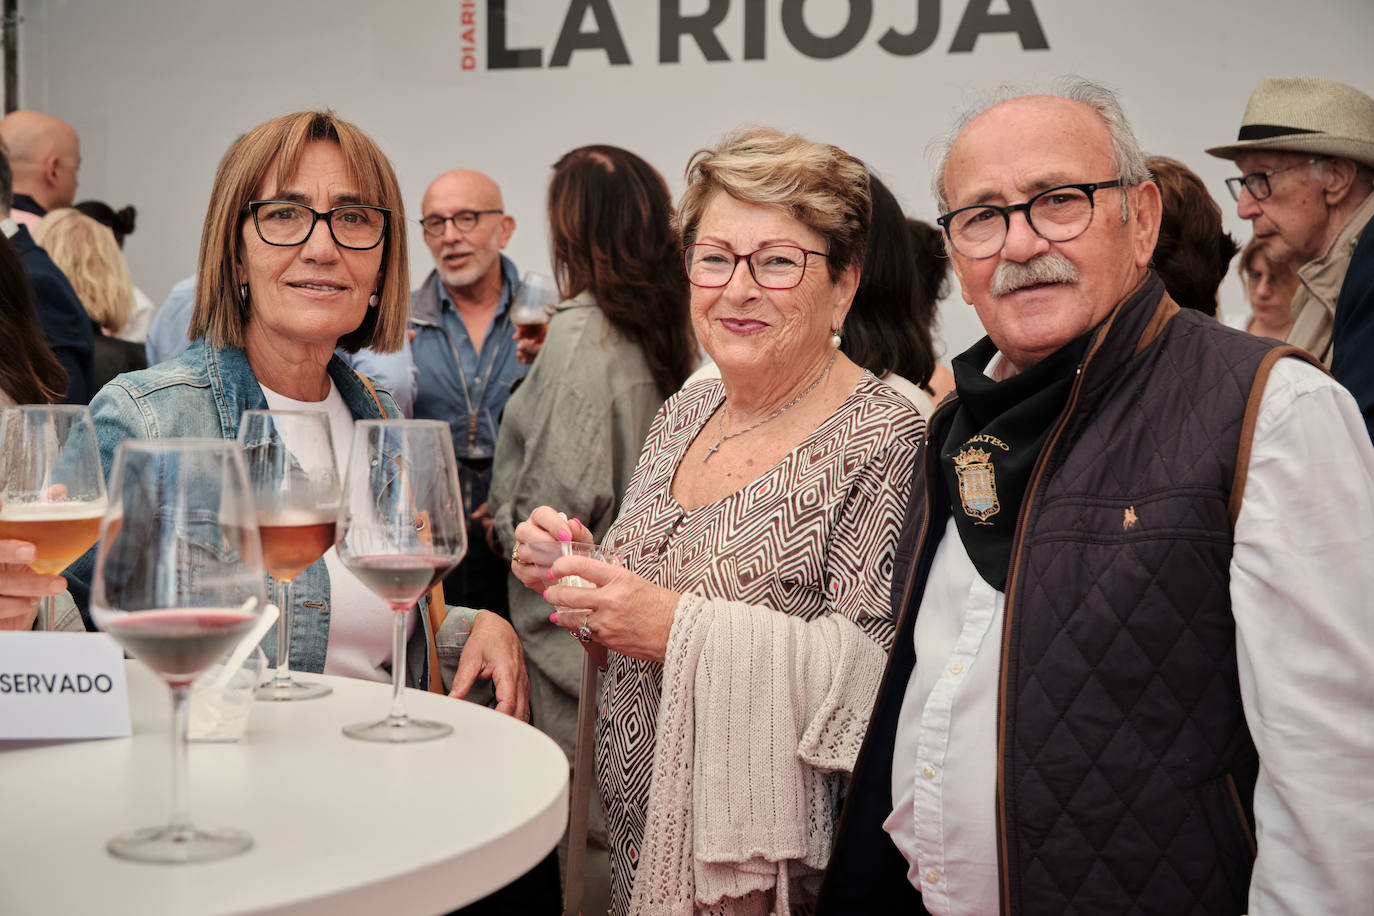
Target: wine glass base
x,y
398,730
287,689
178,845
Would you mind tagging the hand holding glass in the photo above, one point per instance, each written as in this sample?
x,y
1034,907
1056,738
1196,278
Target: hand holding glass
x,y
401,530
178,580
532,307
52,487
296,490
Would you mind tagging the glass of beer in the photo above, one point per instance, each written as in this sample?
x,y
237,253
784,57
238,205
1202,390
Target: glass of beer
x,y
295,483
530,311
52,486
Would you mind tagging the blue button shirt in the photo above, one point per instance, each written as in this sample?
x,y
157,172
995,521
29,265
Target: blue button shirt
x,y
457,383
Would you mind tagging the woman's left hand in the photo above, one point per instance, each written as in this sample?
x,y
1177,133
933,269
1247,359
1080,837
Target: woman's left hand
x,y
622,612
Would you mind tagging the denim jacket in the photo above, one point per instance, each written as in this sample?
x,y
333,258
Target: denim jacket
x,y
203,392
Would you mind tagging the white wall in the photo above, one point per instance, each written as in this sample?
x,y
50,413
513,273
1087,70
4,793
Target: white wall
x,y
157,89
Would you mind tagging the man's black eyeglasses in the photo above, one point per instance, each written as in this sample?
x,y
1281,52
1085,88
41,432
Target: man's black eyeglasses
x,y
463,221
1056,214
1257,183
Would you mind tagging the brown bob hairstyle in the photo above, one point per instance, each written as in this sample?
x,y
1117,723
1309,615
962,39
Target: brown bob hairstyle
x,y
815,183
611,225
221,314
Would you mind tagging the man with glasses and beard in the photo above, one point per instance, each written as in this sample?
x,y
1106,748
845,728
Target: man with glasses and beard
x,y
465,355
1306,156
1131,586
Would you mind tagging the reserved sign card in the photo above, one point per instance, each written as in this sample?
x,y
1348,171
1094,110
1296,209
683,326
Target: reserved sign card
x,y
62,685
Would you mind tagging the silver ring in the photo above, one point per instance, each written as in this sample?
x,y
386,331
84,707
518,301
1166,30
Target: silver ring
x,y
584,632
515,554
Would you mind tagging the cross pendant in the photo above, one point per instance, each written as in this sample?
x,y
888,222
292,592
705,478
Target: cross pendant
x,y
709,452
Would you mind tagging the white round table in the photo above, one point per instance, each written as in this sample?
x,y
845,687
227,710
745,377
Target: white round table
x,y
340,826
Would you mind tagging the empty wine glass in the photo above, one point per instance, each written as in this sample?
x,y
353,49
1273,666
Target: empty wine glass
x,y
52,487
401,530
178,580
295,483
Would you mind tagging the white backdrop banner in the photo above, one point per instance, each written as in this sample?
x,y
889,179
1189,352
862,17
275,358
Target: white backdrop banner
x,y
159,88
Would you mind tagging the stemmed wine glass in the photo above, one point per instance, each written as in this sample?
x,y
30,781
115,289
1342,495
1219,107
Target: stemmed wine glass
x,y
296,490
178,580
401,530
532,306
52,487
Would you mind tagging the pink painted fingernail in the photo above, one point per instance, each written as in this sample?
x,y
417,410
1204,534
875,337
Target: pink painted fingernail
x,y
578,523
564,536
553,618
548,576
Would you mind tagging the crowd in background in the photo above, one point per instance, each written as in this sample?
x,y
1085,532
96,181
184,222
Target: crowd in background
x,y
741,462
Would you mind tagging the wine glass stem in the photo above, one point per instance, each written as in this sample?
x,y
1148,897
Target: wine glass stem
x,y
45,614
282,590
398,666
181,707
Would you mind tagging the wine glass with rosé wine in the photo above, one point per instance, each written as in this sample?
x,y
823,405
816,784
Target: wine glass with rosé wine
x,y
295,483
401,530
178,581
52,487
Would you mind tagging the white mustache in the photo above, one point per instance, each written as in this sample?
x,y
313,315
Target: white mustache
x,y
1049,267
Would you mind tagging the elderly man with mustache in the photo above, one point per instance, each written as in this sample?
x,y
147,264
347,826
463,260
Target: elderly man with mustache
x,y
1133,656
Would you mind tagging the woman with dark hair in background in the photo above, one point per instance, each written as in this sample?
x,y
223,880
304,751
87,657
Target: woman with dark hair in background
x,y
1193,251
932,285
89,255
618,345
29,373
121,223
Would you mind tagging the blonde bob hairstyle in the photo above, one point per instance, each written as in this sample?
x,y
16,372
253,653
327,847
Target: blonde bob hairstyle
x,y
88,254
815,183
220,313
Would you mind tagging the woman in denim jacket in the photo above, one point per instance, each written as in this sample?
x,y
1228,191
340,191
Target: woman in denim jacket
x,y
276,293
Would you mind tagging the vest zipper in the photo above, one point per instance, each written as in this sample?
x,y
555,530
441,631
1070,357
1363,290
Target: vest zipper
x,y
1036,475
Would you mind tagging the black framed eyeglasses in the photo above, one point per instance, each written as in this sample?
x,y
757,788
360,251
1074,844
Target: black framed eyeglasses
x,y
463,221
1056,214
1257,183
773,267
286,223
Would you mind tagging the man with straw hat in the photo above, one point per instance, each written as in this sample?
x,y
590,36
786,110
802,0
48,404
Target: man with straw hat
x,y
1306,156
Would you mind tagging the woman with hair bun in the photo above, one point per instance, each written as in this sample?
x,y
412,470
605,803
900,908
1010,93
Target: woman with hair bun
x,y
121,223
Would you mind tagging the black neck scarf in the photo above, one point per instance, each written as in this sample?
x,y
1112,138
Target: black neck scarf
x,y
994,440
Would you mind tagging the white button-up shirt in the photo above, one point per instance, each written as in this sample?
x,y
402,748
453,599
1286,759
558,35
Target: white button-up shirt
x,y
1302,593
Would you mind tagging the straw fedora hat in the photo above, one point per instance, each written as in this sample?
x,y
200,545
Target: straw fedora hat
x,y
1306,114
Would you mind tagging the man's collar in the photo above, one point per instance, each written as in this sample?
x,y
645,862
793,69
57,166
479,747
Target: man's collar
x,y
28,205
9,227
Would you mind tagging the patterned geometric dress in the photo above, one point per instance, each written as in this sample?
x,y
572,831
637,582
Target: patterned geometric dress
x,y
814,535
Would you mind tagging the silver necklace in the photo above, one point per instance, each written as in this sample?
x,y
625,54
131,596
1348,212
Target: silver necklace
x,y
720,417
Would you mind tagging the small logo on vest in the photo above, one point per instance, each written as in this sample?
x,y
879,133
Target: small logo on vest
x,y
977,484
1128,519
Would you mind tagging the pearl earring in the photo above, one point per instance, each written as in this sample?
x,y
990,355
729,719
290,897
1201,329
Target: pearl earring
x,y
243,292
372,301
835,338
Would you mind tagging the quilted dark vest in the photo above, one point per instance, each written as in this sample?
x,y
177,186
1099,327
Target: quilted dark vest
x,y
1126,769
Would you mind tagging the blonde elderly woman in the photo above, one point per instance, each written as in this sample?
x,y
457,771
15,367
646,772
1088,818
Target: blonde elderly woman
x,y
746,631
303,250
89,255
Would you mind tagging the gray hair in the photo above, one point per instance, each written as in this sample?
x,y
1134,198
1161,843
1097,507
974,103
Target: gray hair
x,y
1127,157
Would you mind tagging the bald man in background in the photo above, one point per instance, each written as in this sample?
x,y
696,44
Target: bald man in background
x,y
465,355
45,154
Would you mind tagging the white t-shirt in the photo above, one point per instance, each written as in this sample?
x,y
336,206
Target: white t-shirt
x,y
359,622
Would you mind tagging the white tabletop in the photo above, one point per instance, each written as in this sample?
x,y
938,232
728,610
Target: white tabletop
x,y
340,826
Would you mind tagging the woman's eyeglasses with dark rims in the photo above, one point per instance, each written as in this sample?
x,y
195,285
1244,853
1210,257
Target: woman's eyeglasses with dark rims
x,y
1257,183
774,267
286,223
463,221
1056,214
